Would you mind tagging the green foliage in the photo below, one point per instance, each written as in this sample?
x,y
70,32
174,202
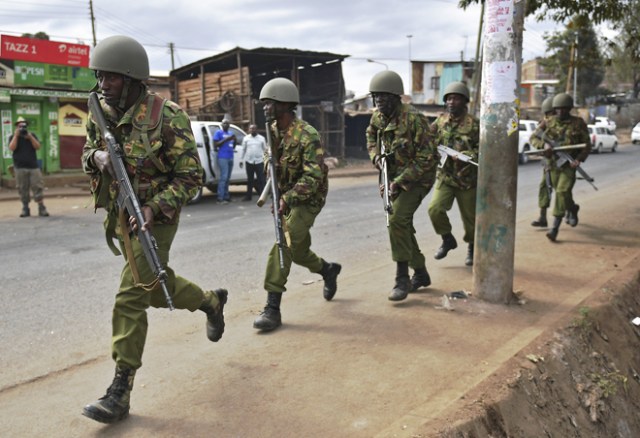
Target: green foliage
x,y
624,50
608,383
37,36
583,323
589,61
598,11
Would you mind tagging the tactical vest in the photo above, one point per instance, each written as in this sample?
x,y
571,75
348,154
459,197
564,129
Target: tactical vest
x,y
146,120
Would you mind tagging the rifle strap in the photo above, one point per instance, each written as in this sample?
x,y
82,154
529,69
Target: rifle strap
x,y
126,242
152,119
287,235
110,233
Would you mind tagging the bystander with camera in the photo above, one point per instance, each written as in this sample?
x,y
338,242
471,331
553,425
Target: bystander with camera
x,y
23,145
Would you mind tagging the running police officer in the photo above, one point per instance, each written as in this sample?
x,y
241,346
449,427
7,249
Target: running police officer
x,y
456,179
162,162
302,181
399,132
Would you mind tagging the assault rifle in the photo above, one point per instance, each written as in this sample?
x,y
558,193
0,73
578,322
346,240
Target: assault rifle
x,y
128,200
384,181
446,152
563,157
559,148
271,188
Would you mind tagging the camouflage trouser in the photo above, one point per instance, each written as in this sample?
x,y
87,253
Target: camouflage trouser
x,y
402,234
299,221
441,203
129,313
544,200
29,180
563,180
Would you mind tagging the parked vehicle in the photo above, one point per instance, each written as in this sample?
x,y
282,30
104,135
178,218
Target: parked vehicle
x,y
526,128
203,132
635,134
602,138
606,122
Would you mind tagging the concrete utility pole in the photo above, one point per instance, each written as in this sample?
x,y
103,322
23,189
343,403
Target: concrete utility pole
x,y
498,172
477,74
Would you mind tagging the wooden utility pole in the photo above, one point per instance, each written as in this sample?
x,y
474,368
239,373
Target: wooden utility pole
x,y
498,163
171,50
93,22
572,61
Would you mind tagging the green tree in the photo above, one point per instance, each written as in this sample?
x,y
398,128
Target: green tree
x,y
589,61
37,36
598,11
624,49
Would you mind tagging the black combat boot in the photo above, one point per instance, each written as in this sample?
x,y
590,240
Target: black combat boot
x,y
403,284
542,220
25,210
420,279
448,243
552,234
573,215
42,210
215,313
469,260
329,274
270,318
114,405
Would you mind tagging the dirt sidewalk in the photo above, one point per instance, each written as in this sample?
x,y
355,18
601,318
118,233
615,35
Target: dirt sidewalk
x,y
363,368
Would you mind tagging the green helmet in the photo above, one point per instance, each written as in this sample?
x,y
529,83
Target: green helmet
x,y
563,100
280,90
386,81
456,88
121,54
547,105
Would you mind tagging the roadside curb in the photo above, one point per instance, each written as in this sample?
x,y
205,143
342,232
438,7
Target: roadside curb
x,y
78,185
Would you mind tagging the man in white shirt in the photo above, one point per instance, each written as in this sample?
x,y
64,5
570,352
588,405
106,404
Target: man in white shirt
x,y
254,146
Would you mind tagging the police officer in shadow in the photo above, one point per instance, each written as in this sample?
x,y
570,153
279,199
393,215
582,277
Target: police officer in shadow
x,y
411,162
456,180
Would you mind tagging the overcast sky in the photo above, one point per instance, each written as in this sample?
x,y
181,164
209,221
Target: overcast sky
x,y
363,29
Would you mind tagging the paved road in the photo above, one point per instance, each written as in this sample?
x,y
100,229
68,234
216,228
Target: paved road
x,y
217,246
59,280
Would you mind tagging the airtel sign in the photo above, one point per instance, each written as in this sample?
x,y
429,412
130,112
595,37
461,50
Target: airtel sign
x,y
44,51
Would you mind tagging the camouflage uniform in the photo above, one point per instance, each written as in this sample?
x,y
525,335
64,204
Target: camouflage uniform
x,y
544,199
412,166
456,179
165,174
303,184
564,132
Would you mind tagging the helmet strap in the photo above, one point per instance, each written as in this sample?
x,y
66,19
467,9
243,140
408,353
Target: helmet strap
x,y
125,93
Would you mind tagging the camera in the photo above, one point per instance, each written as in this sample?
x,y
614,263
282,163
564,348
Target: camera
x,y
23,130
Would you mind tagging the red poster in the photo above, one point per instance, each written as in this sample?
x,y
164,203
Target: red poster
x,y
46,52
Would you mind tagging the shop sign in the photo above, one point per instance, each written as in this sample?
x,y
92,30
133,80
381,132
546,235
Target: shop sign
x,y
44,51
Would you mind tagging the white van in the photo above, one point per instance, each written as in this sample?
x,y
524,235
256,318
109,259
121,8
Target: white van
x,y
526,128
203,132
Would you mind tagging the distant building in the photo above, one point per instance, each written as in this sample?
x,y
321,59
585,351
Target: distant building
x,y
229,84
535,86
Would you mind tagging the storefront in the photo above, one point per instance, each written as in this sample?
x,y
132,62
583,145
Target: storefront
x,y
47,83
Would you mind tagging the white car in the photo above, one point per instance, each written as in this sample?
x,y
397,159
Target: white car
x,y
526,128
635,134
203,132
602,138
606,122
